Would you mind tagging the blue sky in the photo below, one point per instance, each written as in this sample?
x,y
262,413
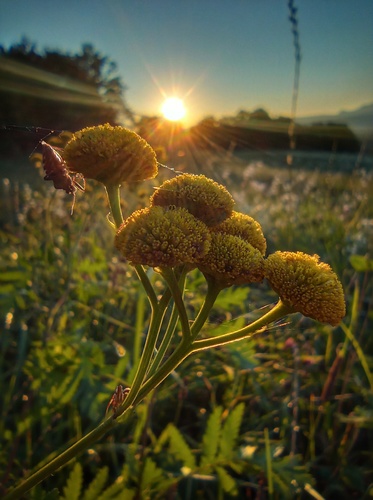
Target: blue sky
x,y
219,55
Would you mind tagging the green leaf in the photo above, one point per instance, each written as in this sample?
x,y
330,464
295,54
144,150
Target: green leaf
x,y
227,482
68,389
11,276
211,437
230,297
74,484
97,485
151,474
289,474
230,432
117,491
179,448
361,263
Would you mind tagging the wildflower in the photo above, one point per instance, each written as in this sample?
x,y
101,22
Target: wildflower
x,y
306,285
111,155
204,198
160,237
232,261
245,227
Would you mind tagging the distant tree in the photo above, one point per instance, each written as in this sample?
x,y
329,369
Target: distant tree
x,y
58,90
260,114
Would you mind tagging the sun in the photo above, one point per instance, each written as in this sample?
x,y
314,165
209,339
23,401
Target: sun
x,y
173,109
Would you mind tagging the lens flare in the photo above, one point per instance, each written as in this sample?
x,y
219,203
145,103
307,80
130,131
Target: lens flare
x,y
173,109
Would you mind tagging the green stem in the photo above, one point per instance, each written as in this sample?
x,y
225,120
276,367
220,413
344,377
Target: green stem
x,y
213,291
181,352
137,341
165,341
172,323
268,462
151,339
363,360
187,347
274,314
61,459
177,295
113,194
143,277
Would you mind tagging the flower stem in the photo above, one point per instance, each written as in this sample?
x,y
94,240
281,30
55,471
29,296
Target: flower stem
x,y
177,295
113,194
143,277
165,341
187,347
212,292
181,352
61,460
145,360
279,311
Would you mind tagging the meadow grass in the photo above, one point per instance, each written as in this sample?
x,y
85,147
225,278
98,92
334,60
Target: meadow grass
x,y
286,415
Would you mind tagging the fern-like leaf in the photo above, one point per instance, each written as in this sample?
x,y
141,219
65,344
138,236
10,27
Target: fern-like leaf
x,y
117,491
227,482
97,485
179,448
230,432
211,437
151,475
74,483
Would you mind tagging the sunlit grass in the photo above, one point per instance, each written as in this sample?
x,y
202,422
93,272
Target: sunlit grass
x,y
68,300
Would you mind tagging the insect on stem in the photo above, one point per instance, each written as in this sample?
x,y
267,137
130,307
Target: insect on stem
x,y
56,171
117,398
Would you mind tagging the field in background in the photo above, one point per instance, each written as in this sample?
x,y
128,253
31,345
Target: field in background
x,y
73,313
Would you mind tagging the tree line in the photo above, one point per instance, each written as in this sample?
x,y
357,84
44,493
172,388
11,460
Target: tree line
x,y
56,90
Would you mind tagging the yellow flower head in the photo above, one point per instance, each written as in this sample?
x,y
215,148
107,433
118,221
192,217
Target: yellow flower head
x,y
245,227
232,261
204,198
306,285
159,237
111,155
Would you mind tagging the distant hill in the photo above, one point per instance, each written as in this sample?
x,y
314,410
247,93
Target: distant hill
x,y
257,130
360,121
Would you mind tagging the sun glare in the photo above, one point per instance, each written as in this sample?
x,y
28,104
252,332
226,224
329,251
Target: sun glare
x,y
173,109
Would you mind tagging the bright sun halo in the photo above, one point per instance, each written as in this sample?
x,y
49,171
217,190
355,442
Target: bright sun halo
x,y
173,109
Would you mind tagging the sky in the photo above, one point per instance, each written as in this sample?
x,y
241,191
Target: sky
x,y
219,56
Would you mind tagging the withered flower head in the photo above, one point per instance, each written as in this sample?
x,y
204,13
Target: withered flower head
x,y
306,285
204,198
160,237
111,155
232,261
245,227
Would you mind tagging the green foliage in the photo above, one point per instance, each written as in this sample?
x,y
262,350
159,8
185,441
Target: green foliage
x,y
177,446
74,484
230,432
211,437
97,485
74,317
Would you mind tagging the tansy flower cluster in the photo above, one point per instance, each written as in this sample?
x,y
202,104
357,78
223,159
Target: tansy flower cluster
x,y
306,285
191,221
111,155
